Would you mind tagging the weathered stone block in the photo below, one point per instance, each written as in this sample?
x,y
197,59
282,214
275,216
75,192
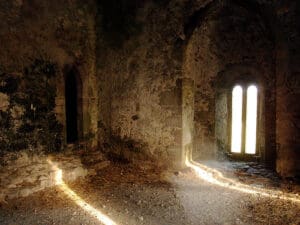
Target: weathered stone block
x,y
4,102
170,98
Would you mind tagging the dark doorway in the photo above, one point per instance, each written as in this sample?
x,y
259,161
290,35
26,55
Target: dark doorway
x,y
71,94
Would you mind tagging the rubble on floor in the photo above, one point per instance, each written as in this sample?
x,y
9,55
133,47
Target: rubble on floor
x,y
22,174
133,195
254,174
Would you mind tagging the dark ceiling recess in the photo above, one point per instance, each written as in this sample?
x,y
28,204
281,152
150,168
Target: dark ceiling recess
x,y
253,7
118,20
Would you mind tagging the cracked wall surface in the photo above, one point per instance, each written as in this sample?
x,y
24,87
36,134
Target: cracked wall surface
x,y
210,42
38,40
132,58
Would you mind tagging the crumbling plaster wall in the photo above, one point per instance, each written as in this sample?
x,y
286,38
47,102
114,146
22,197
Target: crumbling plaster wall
x,y
38,40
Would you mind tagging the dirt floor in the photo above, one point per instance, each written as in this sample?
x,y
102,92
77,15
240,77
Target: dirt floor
x,y
144,195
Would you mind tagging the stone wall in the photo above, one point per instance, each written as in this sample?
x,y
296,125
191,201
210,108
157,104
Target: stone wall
x,y
22,174
288,89
132,59
214,43
39,40
144,72
229,45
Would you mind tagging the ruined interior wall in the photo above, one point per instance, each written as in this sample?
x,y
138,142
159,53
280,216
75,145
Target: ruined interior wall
x,y
38,39
144,69
145,62
288,89
222,121
228,40
131,58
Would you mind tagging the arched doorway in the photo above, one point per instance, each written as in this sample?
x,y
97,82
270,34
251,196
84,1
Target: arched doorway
x,y
73,103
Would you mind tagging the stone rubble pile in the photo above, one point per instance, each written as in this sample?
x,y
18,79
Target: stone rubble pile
x,y
25,175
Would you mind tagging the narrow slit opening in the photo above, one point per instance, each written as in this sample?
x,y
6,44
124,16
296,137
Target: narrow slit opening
x,y
251,120
237,111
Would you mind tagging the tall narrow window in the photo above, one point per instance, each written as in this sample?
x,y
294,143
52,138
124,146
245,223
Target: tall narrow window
x,y
237,112
251,116
241,143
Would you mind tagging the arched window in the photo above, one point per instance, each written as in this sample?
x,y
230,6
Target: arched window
x,y
244,119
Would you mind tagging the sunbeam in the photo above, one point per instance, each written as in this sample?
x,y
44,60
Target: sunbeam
x,y
214,176
78,200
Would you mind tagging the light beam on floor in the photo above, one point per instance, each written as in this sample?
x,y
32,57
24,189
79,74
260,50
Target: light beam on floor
x,y
78,200
215,177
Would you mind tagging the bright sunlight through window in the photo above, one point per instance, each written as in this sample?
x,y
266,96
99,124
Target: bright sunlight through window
x,y
237,120
251,120
237,111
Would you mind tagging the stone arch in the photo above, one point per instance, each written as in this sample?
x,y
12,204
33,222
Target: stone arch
x,y
198,17
225,36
